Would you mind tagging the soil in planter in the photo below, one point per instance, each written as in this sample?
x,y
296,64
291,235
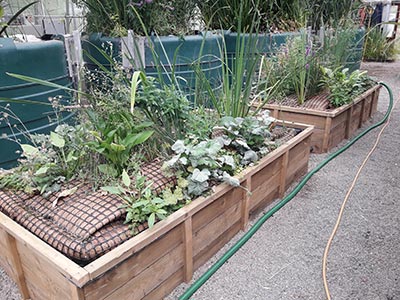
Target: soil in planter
x,y
87,224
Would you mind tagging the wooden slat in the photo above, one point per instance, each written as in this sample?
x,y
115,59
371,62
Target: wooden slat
x,y
214,229
188,242
134,265
5,255
61,264
265,193
217,244
217,208
148,280
19,273
166,287
43,279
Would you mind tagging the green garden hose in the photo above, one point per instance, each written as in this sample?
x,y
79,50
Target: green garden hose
x,y
253,229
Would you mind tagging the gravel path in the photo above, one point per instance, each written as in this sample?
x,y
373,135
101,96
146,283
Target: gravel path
x,y
283,260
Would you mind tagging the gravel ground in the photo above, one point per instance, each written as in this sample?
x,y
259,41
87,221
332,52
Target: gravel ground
x,y
284,258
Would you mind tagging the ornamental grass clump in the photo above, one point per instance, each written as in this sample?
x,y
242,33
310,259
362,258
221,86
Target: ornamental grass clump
x,y
294,69
116,17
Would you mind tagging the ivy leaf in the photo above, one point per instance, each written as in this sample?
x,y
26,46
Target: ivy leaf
x,y
197,188
179,147
200,176
230,180
57,140
29,149
125,179
250,156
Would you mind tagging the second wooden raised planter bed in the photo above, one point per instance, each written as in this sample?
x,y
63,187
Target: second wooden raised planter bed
x,y
333,126
151,264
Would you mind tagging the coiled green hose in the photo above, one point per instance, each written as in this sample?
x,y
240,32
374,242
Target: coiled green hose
x,y
253,229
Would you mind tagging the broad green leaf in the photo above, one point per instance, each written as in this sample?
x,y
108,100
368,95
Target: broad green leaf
x,y
125,179
138,139
116,190
151,220
117,147
42,171
57,140
29,149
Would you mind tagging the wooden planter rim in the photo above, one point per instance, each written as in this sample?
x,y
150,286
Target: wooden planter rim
x,y
80,276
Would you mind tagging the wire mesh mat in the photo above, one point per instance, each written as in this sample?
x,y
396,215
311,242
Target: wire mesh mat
x,y
84,225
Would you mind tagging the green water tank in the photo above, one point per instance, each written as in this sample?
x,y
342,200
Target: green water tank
x,y
43,60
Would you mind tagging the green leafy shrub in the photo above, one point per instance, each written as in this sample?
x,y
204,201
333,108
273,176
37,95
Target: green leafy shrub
x,y
342,86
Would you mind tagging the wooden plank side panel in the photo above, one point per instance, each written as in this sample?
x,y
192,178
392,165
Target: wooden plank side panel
x,y
337,135
5,255
367,108
204,255
42,279
339,119
166,287
375,98
317,140
355,118
232,198
259,178
215,228
151,278
298,161
130,268
303,118
265,193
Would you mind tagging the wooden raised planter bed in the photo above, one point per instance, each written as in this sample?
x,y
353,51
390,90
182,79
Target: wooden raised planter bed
x,y
151,264
333,126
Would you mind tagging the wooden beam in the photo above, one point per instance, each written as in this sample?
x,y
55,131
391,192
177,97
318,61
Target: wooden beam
x,y
246,205
282,182
188,242
19,273
325,142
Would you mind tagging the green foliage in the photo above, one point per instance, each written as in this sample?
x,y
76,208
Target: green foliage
x,y
116,136
165,106
238,142
337,46
142,204
294,69
51,161
377,47
343,87
116,17
233,98
331,13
